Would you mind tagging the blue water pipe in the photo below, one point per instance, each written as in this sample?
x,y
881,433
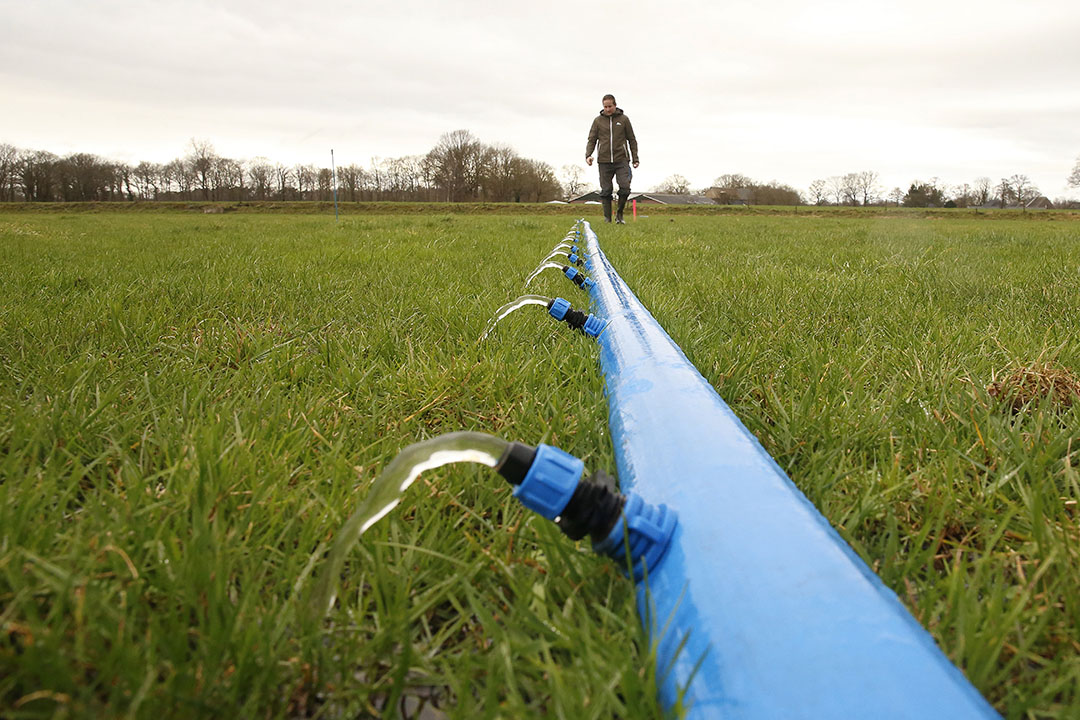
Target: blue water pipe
x,y
758,608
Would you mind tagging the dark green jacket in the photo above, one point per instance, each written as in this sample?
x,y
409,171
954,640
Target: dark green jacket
x,y
613,133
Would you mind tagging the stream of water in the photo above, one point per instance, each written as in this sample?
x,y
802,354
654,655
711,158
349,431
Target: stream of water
x,y
386,493
514,305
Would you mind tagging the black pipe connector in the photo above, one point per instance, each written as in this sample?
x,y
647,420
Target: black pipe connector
x,y
594,507
593,510
515,462
560,309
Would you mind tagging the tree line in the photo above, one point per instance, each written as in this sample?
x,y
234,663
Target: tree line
x,y
459,168
863,188
735,189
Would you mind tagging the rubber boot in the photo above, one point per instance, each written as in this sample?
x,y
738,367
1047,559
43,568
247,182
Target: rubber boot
x,y
622,206
607,208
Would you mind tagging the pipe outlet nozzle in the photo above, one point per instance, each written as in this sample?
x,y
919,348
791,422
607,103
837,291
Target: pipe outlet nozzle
x,y
549,482
579,278
590,325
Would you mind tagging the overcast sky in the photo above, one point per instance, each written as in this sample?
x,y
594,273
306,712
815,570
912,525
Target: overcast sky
x,y
774,89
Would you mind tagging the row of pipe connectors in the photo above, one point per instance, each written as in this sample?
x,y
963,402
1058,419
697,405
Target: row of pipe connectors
x,y
559,308
549,481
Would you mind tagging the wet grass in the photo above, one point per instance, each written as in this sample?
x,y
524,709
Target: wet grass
x,y
191,405
190,409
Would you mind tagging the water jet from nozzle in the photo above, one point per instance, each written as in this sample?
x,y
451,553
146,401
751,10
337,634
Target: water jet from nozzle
x,y
543,266
514,305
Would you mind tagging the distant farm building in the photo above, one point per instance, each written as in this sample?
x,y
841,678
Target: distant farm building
x,y
670,199
1040,203
731,196
650,198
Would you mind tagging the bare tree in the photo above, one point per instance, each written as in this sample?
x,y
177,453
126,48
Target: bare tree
x,y
235,173
1074,176
674,184
411,169
535,182
9,160
82,177
37,170
982,190
201,160
1004,192
325,182
260,173
573,181
455,164
305,176
849,186
374,180
1023,190
732,181
282,174
896,195
146,176
835,185
867,185
963,196
500,168
350,179
819,192
774,193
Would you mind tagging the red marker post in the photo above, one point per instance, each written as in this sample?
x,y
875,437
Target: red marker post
x,y
634,201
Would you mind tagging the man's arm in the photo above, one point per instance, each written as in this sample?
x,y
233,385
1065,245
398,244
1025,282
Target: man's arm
x,y
632,139
590,145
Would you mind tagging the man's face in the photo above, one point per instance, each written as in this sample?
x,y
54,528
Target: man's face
x,y
609,107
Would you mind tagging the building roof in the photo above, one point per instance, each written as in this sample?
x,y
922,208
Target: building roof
x,y
661,198
673,198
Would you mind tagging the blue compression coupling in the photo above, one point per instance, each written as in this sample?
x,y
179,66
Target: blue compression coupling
x,y
550,482
579,278
643,532
575,260
558,308
593,326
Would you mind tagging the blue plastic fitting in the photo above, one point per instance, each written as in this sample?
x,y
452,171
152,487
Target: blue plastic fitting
x,y
574,259
587,284
593,325
571,273
550,482
644,531
558,308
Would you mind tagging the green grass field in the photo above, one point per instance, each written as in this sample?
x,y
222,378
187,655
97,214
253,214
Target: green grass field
x,y
191,405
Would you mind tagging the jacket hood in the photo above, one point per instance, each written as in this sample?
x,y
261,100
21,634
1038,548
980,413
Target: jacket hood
x,y
618,111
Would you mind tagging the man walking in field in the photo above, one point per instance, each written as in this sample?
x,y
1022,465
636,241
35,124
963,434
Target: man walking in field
x,y
611,135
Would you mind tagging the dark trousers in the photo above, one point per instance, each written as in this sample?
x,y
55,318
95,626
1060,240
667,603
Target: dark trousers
x,y
618,171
